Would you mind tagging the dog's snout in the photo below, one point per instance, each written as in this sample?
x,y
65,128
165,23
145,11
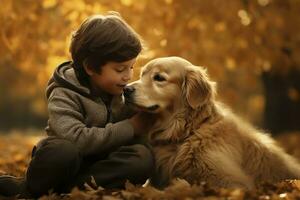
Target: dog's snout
x,y
128,90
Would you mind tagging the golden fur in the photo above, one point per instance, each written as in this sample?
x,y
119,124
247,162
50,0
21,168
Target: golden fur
x,y
197,138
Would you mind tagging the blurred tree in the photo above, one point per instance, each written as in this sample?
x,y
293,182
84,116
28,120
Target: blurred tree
x,y
237,40
282,105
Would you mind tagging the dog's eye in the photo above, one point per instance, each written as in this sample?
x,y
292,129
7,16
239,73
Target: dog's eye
x,y
158,77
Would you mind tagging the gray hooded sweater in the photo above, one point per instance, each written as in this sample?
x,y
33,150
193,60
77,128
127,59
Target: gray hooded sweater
x,y
96,124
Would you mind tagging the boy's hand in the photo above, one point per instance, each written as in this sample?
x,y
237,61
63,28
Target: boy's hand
x,y
142,122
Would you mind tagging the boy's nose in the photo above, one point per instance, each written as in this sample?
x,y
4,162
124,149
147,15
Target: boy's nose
x,y
128,90
126,78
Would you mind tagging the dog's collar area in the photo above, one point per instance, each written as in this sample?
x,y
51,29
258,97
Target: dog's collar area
x,y
161,142
165,142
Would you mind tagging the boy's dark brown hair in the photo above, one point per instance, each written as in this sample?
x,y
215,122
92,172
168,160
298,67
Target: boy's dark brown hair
x,y
101,39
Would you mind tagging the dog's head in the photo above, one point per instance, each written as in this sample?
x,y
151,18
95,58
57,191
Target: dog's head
x,y
168,83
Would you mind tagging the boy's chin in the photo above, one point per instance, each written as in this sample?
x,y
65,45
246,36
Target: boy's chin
x,y
117,93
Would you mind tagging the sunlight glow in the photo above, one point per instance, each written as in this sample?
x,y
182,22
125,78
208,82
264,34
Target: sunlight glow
x,y
263,2
245,18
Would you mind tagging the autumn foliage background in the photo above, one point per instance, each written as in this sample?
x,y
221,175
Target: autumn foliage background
x,y
250,47
240,42
244,44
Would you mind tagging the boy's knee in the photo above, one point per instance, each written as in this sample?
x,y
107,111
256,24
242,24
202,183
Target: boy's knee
x,y
56,150
54,162
54,156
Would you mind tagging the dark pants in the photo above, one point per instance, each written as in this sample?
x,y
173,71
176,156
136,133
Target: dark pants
x,y
58,165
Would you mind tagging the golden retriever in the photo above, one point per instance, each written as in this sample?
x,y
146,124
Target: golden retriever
x,y
196,137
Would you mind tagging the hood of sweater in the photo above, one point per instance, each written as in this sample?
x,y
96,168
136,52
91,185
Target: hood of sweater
x,y
64,76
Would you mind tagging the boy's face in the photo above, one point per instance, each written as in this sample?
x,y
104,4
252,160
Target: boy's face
x,y
113,76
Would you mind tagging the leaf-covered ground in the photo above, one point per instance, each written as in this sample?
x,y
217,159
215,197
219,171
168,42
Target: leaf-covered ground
x,y
15,151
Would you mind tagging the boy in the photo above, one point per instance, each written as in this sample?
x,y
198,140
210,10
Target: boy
x,y
91,132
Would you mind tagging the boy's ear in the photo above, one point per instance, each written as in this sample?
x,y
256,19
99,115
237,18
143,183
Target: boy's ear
x,y
88,70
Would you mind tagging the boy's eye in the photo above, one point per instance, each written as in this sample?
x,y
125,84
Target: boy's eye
x,y
158,77
120,69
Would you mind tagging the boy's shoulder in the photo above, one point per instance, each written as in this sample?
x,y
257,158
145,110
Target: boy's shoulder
x,y
63,92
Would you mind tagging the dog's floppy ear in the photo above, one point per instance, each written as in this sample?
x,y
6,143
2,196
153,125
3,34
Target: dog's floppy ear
x,y
198,88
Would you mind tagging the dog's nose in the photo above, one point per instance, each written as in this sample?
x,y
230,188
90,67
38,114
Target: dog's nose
x,y
128,90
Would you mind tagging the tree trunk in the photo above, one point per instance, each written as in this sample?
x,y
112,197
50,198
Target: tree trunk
x,y
282,102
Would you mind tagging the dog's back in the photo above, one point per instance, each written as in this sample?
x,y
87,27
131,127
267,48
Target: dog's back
x,y
240,155
226,152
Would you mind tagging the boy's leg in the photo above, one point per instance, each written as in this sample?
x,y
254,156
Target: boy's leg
x,y
54,162
134,163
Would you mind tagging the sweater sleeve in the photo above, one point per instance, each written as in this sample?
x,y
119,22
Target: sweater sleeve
x,y
66,120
